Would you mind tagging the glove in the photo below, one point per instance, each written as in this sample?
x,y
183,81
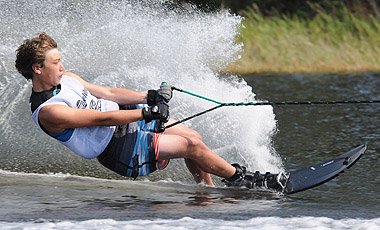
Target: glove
x,y
163,94
156,112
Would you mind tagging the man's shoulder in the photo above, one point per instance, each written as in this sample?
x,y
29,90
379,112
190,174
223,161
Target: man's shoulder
x,y
76,77
70,74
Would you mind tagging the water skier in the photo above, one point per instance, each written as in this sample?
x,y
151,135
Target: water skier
x,y
119,127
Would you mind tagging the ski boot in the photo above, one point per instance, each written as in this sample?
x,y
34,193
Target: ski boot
x,y
244,178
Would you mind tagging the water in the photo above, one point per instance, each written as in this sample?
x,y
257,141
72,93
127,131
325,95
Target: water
x,y
137,45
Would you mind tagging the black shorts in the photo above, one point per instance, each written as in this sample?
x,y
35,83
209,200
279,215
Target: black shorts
x,y
133,149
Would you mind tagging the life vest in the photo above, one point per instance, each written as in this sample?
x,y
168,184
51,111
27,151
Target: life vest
x,y
87,142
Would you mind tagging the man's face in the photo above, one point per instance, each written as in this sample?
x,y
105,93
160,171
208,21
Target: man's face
x,y
53,69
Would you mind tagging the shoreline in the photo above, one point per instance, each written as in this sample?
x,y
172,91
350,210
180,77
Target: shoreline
x,y
341,43
268,71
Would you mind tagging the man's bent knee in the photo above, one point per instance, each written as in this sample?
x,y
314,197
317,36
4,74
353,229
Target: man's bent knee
x,y
195,134
195,148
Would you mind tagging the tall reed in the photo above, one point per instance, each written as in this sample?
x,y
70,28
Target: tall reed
x,y
339,42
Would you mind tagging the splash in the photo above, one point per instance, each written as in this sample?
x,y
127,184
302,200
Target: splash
x,y
137,45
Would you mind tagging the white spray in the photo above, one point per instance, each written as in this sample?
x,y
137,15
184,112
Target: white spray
x,y
139,44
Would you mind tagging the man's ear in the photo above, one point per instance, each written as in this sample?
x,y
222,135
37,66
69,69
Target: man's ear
x,y
37,68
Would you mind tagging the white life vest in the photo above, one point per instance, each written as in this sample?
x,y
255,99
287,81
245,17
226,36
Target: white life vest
x,y
88,142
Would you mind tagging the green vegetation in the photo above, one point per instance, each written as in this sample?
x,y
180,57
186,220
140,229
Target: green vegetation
x,y
306,35
344,41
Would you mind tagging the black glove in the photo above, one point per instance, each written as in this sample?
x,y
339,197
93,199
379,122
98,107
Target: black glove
x,y
163,94
156,112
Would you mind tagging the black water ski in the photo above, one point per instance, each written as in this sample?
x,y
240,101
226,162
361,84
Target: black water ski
x,y
309,177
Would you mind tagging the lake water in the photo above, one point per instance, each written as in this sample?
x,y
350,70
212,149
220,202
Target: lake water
x,y
306,134
137,45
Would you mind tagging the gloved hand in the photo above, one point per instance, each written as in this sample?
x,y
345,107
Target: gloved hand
x,y
156,112
163,94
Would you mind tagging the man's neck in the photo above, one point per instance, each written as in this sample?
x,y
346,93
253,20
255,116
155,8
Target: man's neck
x,y
39,86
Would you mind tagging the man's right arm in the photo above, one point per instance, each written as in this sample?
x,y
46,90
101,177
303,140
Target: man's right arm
x,y
57,118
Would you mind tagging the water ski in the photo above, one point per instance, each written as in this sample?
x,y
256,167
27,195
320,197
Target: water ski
x,y
309,177
302,179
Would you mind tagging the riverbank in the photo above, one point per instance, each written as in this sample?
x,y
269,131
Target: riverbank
x,y
343,42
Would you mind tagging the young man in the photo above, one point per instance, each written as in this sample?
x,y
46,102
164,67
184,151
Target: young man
x,y
115,125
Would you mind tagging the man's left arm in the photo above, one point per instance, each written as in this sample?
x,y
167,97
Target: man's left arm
x,y
118,95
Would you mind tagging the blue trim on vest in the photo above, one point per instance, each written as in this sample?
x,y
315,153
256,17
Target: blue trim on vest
x,y
64,135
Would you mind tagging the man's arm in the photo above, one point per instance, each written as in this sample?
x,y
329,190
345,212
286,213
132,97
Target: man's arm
x,y
57,118
118,95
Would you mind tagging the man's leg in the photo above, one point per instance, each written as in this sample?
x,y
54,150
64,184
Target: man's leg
x,y
198,174
182,142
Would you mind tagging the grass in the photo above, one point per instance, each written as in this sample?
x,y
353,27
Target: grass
x,y
343,42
